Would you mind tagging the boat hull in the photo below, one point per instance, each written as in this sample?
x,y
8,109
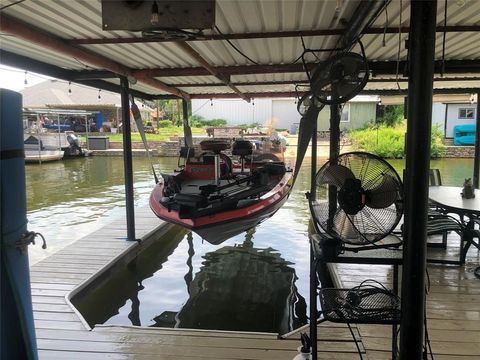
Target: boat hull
x,y
32,156
216,228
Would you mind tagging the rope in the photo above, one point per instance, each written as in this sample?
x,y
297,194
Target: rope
x,y
138,120
27,239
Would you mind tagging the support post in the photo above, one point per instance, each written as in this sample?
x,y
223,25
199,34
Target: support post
x,y
17,329
313,263
127,159
419,126
476,161
187,132
333,155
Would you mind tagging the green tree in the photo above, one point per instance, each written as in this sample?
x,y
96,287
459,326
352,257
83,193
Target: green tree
x,y
390,115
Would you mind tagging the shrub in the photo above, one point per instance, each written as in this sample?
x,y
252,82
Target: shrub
x,y
165,123
196,121
437,148
216,122
389,142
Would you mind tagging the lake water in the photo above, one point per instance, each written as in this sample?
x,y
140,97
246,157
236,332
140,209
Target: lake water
x,y
256,281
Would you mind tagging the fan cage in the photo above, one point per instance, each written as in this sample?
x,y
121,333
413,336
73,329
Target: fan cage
x,y
370,224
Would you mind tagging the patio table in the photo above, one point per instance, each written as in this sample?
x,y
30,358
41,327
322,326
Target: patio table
x,y
450,199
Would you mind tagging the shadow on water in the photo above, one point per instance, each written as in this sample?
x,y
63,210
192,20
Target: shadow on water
x,y
241,287
237,287
103,298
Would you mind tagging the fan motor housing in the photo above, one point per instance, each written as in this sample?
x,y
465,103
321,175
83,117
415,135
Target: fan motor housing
x,y
351,196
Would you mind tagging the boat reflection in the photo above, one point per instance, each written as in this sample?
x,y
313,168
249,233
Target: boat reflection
x,y
238,287
243,288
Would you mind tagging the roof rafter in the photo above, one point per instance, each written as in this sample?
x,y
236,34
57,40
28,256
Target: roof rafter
x,y
211,69
376,67
276,94
270,34
28,33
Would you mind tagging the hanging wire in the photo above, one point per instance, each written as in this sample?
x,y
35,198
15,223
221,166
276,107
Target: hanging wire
x,y
14,3
69,88
399,46
444,38
25,82
99,94
236,48
384,43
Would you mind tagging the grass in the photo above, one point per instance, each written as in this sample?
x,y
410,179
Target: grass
x,y
389,142
163,134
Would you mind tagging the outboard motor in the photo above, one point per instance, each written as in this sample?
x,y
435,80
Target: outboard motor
x,y
74,149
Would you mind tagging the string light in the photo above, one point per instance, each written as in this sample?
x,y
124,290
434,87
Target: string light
x,y
99,94
25,81
154,16
69,88
253,102
211,102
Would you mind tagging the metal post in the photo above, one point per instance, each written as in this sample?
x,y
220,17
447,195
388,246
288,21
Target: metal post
x,y
476,161
187,132
127,160
313,268
419,126
334,152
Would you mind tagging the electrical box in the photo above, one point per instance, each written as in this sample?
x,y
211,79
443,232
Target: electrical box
x,y
149,15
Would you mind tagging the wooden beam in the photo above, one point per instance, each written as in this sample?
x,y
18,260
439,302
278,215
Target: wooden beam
x,y
270,34
211,69
37,36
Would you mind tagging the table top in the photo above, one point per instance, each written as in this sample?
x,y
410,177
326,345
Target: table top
x,y
450,197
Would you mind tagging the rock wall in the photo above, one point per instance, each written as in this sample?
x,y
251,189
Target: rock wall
x,y
460,152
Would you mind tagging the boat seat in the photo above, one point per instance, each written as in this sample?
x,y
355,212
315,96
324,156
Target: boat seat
x,y
242,148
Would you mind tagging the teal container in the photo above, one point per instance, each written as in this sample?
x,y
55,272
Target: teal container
x,y
17,332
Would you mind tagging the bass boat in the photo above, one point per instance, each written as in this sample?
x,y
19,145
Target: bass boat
x,y
219,196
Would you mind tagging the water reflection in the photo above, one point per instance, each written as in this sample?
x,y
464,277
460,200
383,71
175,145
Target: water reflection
x,y
239,287
121,289
245,288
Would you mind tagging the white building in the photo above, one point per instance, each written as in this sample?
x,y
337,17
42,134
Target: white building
x,y
281,111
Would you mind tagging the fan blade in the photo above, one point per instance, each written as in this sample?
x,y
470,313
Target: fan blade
x,y
383,195
343,225
336,175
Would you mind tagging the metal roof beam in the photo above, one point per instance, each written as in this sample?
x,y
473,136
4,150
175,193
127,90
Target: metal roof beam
x,y
39,67
303,81
28,33
271,34
275,94
377,68
211,69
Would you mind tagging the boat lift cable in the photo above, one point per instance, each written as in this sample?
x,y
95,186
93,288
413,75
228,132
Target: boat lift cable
x,y
138,120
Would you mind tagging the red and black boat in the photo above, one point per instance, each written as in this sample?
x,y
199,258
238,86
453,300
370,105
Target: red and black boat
x,y
218,196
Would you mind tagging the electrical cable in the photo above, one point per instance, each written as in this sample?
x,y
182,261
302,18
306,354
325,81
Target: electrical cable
x,y
384,43
444,39
397,71
12,4
236,48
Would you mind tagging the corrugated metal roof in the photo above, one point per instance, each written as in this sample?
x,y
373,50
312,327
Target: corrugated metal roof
x,y
82,20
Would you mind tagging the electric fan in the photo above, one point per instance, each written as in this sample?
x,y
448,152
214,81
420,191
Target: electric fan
x,y
358,199
335,81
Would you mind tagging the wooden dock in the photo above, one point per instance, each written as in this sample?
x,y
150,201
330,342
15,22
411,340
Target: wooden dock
x,y
453,306
63,334
453,311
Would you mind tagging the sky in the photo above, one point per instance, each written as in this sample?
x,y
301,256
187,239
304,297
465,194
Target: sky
x,y
14,79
